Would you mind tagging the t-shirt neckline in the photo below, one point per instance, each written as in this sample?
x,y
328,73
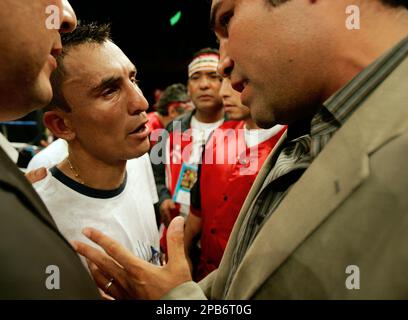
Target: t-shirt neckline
x,y
85,190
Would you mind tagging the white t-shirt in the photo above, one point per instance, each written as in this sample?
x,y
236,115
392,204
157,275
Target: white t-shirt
x,y
55,153
125,214
200,133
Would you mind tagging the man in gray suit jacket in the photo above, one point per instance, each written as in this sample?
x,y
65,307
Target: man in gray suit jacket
x,y
327,217
36,261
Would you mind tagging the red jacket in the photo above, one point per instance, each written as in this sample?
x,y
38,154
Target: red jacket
x,y
154,124
179,147
223,189
178,150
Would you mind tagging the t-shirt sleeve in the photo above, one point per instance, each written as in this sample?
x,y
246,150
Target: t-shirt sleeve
x,y
38,161
50,156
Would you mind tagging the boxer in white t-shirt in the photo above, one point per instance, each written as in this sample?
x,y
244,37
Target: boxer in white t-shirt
x,y
99,110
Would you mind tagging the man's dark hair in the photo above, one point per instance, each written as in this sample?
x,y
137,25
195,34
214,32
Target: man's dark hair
x,y
85,33
174,93
396,3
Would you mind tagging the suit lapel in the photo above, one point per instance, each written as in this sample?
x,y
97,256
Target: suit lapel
x,y
340,168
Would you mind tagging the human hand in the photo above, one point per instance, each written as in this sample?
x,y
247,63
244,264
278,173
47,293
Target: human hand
x,y
36,175
44,143
105,296
133,277
166,211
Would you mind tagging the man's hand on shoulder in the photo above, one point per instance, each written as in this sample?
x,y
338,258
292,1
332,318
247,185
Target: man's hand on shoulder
x,y
36,175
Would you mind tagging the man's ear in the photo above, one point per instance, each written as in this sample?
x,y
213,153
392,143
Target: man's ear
x,y
59,124
173,112
176,110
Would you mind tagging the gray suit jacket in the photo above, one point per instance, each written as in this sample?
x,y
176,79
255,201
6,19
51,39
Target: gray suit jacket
x,y
350,208
30,242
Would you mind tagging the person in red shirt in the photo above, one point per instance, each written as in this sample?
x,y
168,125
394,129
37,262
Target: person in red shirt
x,y
231,162
179,149
173,102
187,134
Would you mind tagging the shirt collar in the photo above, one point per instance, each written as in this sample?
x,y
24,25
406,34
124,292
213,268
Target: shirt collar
x,y
339,107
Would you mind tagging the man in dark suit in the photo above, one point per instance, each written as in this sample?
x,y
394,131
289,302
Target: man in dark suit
x,y
36,261
327,216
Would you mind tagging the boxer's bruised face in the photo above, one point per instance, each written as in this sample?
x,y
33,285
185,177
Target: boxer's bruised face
x,y
108,110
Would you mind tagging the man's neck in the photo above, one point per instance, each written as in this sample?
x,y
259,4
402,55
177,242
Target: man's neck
x,y
250,124
383,29
209,117
92,172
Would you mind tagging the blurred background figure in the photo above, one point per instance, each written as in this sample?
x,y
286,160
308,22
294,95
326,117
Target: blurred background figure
x,y
183,142
27,136
172,103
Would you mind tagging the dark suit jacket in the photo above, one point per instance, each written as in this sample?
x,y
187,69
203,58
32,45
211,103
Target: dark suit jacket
x,y
30,242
